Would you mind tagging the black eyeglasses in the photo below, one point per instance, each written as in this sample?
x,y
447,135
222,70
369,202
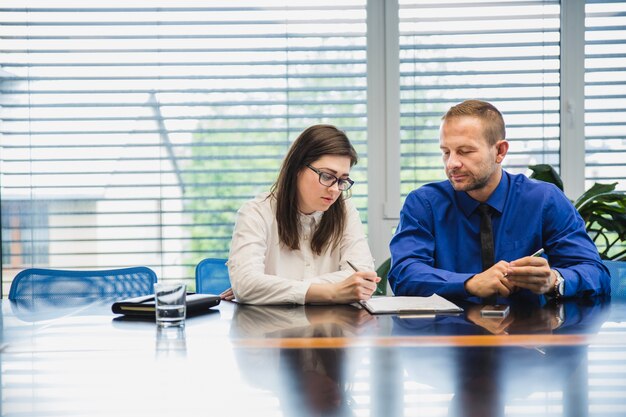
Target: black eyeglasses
x,y
329,180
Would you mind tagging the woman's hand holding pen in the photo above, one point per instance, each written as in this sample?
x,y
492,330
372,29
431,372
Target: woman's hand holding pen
x,y
371,276
358,286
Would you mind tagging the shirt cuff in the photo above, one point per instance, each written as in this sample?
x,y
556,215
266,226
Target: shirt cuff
x,y
456,289
571,281
299,290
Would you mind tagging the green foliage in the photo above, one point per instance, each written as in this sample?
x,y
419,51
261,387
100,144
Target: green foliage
x,y
602,208
546,173
225,170
238,149
382,272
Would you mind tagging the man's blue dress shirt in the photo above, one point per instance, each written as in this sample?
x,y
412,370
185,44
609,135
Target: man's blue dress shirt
x,y
436,247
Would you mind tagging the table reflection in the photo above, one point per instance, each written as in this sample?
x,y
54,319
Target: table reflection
x,y
171,341
310,381
39,309
544,359
483,380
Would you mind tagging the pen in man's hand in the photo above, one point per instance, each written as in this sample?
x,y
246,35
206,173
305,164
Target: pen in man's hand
x,y
538,253
534,255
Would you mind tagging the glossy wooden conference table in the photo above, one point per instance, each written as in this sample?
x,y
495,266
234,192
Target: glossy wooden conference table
x,y
321,360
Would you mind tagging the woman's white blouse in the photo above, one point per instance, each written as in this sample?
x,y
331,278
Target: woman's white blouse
x,y
262,271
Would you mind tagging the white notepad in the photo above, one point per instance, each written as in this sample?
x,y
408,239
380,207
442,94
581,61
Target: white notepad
x,y
412,305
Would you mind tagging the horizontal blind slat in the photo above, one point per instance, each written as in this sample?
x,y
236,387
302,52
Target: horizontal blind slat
x,y
158,123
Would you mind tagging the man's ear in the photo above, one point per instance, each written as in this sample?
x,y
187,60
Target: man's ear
x,y
502,147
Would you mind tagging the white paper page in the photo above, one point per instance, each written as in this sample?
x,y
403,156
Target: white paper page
x,y
434,303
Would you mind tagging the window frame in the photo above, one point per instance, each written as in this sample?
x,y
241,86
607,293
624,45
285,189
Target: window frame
x,y
384,129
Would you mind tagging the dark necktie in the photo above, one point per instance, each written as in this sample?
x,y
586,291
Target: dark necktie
x,y
486,236
486,243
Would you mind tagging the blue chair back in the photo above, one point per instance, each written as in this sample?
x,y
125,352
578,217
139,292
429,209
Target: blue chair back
x,y
57,284
212,276
617,269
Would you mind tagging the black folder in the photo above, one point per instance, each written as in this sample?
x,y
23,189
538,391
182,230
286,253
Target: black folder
x,y
144,306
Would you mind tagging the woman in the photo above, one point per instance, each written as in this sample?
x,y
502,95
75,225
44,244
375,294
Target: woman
x,y
293,245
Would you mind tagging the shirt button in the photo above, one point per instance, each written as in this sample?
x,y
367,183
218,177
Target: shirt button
x,y
306,237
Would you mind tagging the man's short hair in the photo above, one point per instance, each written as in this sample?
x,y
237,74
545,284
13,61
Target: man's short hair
x,y
493,123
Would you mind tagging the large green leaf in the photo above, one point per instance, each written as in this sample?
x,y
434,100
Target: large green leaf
x,y
601,207
595,190
607,224
545,172
609,206
383,272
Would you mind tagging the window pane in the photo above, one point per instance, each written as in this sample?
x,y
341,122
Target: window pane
x,y
141,128
605,104
605,93
506,53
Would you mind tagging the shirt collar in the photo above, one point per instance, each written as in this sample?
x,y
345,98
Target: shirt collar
x,y
311,219
496,200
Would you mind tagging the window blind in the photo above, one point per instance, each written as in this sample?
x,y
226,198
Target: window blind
x,y
131,133
506,53
605,92
605,99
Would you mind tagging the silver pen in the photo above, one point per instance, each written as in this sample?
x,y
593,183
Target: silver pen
x,y
538,253
534,255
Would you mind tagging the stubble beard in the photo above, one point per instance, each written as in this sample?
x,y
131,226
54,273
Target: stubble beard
x,y
474,184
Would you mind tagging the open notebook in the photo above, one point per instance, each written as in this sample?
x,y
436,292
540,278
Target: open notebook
x,y
410,305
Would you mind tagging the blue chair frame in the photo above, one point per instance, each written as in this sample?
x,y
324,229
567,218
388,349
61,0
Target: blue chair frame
x,y
212,276
617,270
38,283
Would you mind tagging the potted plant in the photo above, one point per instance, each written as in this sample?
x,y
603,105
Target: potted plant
x,y
602,208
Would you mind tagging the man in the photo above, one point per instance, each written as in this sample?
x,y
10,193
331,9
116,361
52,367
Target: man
x,y
437,245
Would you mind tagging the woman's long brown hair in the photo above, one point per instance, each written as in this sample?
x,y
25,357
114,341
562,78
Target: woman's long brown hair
x,y
312,144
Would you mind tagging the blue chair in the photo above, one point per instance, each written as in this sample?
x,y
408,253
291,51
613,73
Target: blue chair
x,y
62,285
212,276
617,269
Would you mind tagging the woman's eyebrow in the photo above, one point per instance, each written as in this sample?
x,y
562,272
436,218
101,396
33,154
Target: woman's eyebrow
x,y
335,172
